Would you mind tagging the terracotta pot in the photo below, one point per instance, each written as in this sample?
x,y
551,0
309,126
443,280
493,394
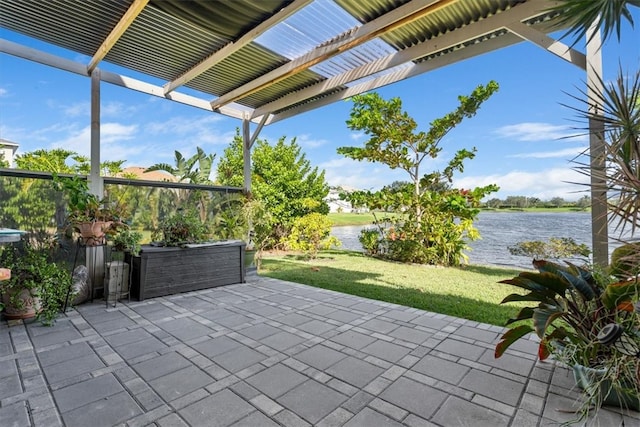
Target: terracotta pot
x,y
93,233
28,308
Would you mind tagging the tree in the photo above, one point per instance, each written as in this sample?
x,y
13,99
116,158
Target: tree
x,y
558,202
185,170
3,162
282,179
584,202
494,203
435,218
35,205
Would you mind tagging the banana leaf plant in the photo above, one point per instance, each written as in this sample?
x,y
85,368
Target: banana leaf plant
x,y
571,307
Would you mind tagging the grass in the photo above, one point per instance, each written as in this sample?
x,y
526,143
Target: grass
x,y
470,292
339,219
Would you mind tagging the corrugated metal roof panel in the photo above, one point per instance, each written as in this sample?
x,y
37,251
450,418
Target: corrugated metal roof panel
x,y
164,54
452,16
169,37
226,19
80,28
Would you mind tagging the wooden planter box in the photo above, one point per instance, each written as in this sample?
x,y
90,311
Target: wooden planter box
x,y
162,271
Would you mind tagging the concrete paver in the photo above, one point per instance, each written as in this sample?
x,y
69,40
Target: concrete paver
x,y
273,353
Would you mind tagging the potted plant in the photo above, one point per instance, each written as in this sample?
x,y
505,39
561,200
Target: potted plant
x,y
126,240
184,259
37,286
258,231
573,312
89,215
181,228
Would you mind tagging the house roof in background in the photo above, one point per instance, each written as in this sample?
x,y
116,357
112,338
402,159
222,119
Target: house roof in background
x,y
141,173
7,143
267,60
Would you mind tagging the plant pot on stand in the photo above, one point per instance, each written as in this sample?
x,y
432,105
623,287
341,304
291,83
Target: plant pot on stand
x,y
92,233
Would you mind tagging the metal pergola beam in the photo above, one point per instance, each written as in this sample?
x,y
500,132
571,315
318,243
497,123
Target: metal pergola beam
x,y
95,180
597,149
117,32
438,44
556,47
233,47
388,22
44,58
401,74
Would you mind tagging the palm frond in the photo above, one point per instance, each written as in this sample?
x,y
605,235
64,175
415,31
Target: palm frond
x,y
619,115
578,15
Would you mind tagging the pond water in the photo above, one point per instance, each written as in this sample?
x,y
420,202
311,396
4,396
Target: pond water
x,y
499,230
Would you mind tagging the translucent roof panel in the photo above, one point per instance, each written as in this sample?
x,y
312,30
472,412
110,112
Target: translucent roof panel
x,y
320,24
316,24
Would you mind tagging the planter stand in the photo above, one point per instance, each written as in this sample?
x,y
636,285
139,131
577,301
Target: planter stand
x,y
95,260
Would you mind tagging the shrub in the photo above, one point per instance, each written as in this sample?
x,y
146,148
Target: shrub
x,y
34,271
556,248
369,238
311,233
181,228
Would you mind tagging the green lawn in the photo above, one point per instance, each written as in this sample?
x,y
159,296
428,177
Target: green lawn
x,y
471,292
351,218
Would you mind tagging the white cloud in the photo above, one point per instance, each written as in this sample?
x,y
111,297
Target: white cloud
x,y
346,172
3,92
181,125
111,134
357,136
77,109
306,141
190,132
117,110
565,153
545,184
531,131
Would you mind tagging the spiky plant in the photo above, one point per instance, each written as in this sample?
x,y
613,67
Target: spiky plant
x,y
619,116
578,15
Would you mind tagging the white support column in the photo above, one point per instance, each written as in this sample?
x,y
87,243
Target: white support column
x,y
96,185
599,219
95,255
246,154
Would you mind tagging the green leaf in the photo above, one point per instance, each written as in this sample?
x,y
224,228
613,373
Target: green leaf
x,y
511,336
580,285
579,15
543,317
531,296
525,313
617,293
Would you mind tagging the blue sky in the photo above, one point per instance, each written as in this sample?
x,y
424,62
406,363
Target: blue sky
x,y
516,132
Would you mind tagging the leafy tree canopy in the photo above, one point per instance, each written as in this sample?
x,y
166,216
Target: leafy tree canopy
x,y
281,177
432,218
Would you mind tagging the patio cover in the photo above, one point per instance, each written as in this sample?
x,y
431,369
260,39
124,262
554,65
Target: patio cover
x,y
262,61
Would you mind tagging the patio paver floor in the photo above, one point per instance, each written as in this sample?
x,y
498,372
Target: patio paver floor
x,y
273,353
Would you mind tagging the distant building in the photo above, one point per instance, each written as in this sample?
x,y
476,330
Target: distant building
x,y
337,205
139,173
8,150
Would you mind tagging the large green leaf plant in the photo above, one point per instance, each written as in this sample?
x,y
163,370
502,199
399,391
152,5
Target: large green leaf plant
x,y
571,306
